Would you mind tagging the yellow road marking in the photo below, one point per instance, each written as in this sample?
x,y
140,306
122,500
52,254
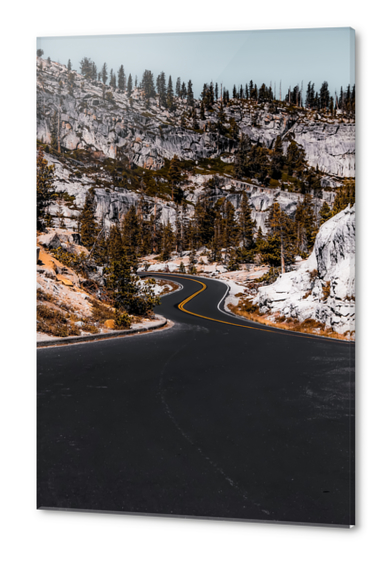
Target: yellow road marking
x,y
279,331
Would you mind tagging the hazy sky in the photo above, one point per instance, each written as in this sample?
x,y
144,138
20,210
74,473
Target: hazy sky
x,y
230,57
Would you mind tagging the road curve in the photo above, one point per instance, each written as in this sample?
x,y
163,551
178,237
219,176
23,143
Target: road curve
x,y
206,419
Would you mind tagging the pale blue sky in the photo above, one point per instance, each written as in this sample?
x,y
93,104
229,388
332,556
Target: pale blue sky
x,y
230,57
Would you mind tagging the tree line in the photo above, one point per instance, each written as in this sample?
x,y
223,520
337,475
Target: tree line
x,y
318,99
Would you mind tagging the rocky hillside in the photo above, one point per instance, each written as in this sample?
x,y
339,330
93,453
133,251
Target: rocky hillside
x,y
323,288
105,124
147,134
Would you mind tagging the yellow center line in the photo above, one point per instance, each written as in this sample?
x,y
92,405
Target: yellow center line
x,y
279,331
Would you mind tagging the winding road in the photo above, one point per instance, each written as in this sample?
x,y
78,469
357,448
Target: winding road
x,y
216,417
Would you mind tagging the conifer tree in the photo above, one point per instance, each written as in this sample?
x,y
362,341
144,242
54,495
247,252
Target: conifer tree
x,y
346,195
129,86
148,84
54,132
170,95
190,95
86,66
167,241
325,213
183,91
131,236
121,79
174,177
104,73
178,87
69,65
245,223
88,222
94,71
45,189
161,88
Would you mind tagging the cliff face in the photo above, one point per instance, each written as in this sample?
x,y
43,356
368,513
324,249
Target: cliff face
x,y
330,147
147,134
324,287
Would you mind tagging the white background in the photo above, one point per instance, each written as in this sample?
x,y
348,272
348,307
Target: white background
x,y
29,534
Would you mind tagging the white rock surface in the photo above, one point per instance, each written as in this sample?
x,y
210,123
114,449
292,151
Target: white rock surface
x,y
300,295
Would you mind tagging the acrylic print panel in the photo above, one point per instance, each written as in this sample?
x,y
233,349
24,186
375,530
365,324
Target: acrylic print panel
x,y
195,273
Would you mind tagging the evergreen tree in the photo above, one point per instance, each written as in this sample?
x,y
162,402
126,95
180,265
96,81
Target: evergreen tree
x,y
45,189
190,95
277,162
69,65
183,91
88,222
324,96
167,242
148,84
346,195
246,224
94,71
131,236
178,87
112,82
86,66
325,213
161,88
129,86
121,79
40,53
174,178
170,95
104,73
54,132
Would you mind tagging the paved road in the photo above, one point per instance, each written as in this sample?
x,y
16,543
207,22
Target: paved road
x,y
207,419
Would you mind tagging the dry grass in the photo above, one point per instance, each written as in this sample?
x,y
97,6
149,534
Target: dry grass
x,y
53,322
309,326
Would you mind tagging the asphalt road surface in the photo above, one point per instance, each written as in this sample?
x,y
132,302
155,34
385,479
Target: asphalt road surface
x,y
215,417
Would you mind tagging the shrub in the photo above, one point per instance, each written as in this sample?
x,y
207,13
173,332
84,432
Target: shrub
x,y
122,320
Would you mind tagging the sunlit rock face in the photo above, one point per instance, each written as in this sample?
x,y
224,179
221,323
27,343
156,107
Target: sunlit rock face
x,y
323,288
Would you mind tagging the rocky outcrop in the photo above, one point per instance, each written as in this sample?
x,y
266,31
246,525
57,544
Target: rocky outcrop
x,y
330,147
323,288
147,134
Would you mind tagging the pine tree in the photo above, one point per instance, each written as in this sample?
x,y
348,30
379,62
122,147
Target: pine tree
x,y
167,242
86,66
131,236
183,91
148,84
94,71
346,195
325,213
324,96
190,95
104,73
170,95
121,79
69,65
161,88
45,189
246,224
54,132
174,177
178,87
129,86
88,222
